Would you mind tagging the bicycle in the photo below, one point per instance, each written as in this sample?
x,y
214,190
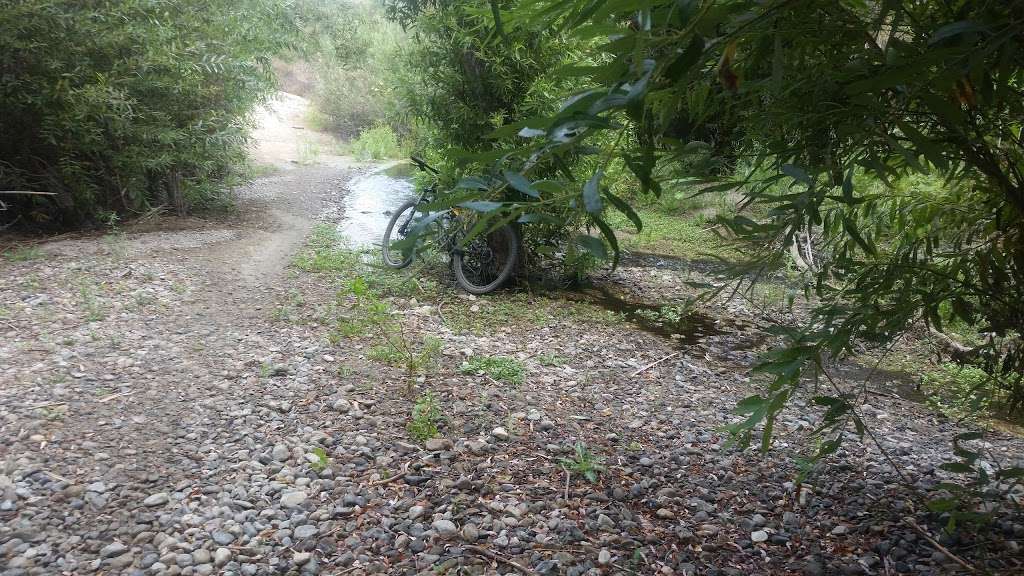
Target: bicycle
x,y
481,265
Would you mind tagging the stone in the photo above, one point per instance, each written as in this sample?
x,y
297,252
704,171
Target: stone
x,y
294,499
470,533
222,537
444,528
221,557
201,556
158,499
301,558
500,433
305,531
759,536
113,549
604,557
280,453
437,444
416,511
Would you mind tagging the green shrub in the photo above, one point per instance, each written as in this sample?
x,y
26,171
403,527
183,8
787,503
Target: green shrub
x,y
120,106
377,143
353,48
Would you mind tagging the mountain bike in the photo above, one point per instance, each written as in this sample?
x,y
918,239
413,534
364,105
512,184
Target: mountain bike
x,y
481,263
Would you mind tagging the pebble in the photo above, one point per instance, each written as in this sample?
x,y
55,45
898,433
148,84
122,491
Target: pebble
x,y
444,528
113,549
294,499
158,499
759,536
305,531
221,557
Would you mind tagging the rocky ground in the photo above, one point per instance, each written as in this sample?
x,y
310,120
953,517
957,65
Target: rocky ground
x,y
177,401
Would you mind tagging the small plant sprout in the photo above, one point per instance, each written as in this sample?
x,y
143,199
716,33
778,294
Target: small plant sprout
x,y
584,462
426,414
322,462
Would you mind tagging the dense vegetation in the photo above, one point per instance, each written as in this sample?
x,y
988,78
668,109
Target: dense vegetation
x,y
875,147
118,107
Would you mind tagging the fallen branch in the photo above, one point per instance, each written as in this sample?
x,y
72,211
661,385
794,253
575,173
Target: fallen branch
x,y
118,395
497,558
56,477
45,405
910,521
652,365
394,478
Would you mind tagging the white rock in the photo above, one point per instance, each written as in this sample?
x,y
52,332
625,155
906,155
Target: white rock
x,y
158,499
294,499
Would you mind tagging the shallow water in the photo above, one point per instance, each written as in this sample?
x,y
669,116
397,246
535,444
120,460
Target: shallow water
x,y
370,201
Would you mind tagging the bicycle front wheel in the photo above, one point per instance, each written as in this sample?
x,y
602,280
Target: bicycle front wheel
x,y
487,262
397,230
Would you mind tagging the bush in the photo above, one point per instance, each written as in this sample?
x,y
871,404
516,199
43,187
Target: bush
x,y
353,48
121,106
377,143
349,100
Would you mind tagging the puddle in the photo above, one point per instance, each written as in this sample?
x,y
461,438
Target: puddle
x,y
370,201
684,329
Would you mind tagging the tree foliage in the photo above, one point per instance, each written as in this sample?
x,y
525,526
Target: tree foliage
x,y
889,131
118,106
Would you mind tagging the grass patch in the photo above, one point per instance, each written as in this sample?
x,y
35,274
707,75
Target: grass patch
x,y
24,254
499,368
325,252
518,309
684,236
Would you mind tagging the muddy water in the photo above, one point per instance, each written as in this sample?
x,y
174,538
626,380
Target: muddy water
x,y
370,202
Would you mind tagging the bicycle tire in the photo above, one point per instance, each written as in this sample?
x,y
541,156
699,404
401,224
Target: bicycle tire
x,y
386,242
509,240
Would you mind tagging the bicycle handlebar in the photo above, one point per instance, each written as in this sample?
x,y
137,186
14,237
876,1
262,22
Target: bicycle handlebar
x,y
422,164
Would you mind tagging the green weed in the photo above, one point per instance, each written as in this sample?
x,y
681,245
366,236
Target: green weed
x,y
426,415
90,303
322,460
584,462
497,367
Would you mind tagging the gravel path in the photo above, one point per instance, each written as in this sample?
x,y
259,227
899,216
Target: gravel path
x,y
159,416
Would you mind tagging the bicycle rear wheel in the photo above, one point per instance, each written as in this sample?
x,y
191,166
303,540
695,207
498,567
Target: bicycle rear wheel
x,y
487,262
